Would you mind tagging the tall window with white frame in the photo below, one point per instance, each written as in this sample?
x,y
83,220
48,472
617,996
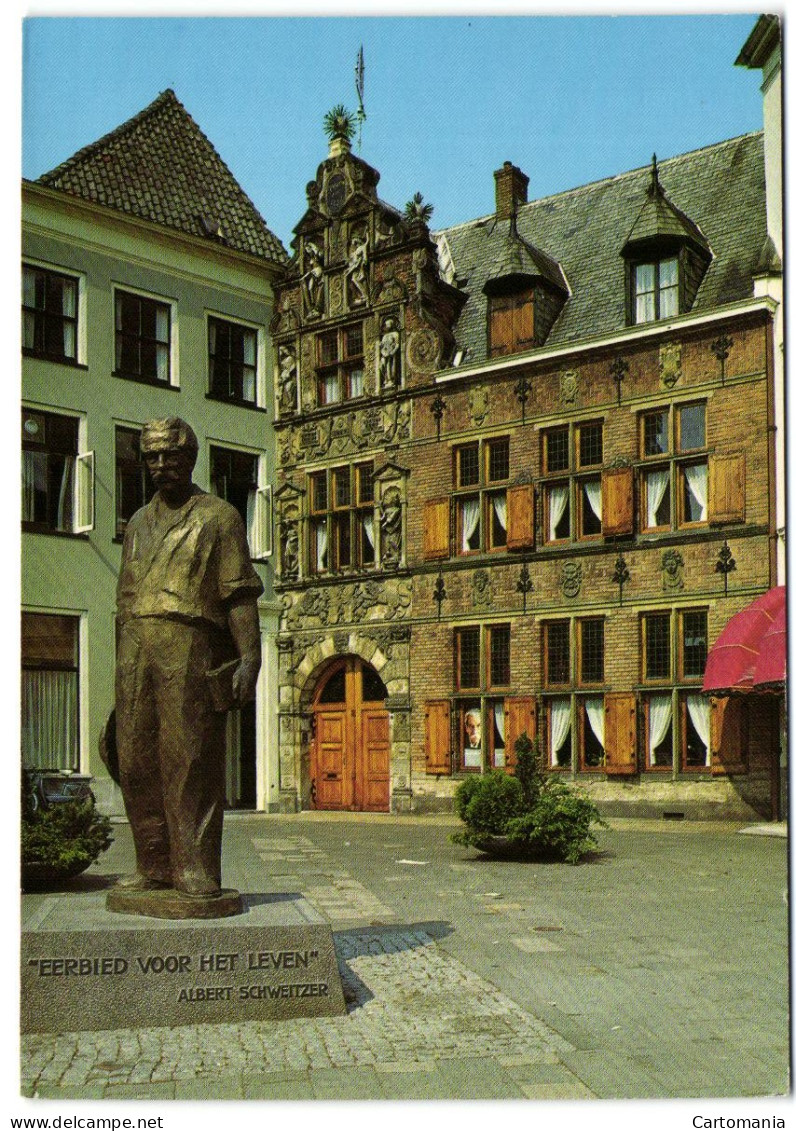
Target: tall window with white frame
x,y
674,475
656,290
143,338
573,675
134,486
232,361
572,457
482,674
49,314
50,719
233,476
676,715
481,472
49,455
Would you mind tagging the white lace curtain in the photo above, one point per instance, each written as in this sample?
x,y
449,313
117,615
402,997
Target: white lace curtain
x,y
699,713
367,526
499,506
49,720
557,504
250,363
499,715
660,715
696,478
560,723
595,712
36,471
162,334
321,544
594,493
471,513
657,482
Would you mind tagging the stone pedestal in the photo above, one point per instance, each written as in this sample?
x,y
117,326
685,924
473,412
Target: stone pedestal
x,y
166,903
84,967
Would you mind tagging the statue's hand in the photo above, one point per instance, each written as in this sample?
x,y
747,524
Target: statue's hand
x,y
244,680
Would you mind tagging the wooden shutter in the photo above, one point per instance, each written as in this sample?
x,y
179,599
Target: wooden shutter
x,y
617,491
520,517
523,319
620,734
438,736
436,529
728,735
500,325
727,488
519,717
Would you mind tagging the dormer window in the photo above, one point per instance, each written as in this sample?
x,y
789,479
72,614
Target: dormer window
x,y
511,322
656,290
666,258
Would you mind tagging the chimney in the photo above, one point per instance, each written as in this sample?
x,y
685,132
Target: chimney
x,y
511,190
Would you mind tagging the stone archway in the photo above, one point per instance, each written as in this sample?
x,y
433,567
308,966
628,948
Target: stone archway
x,y
350,744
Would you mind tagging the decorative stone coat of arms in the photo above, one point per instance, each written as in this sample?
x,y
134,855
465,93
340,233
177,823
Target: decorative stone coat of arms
x,y
670,363
568,390
478,402
571,579
672,570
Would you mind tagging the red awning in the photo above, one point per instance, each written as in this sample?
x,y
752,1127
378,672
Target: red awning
x,y
750,654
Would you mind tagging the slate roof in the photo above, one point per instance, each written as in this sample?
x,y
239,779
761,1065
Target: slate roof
x,y
160,167
720,189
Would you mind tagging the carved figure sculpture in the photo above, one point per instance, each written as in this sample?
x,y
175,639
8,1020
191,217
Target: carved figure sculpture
x,y
391,528
357,269
287,381
186,605
290,550
389,354
313,277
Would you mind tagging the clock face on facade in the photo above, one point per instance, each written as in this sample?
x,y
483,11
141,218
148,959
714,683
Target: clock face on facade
x,y
335,193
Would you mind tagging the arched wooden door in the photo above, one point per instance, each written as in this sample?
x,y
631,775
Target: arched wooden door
x,y
350,754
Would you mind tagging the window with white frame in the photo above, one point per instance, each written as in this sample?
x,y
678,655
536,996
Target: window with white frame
x,y
656,289
49,314
232,361
573,663
234,476
50,701
57,478
482,674
143,338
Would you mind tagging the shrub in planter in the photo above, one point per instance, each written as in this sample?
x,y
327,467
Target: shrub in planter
x,y
530,814
60,842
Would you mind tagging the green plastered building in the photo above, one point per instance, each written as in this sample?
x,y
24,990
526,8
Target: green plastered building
x,y
146,292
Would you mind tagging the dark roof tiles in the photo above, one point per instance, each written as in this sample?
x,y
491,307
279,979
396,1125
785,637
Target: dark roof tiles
x,y
720,189
160,167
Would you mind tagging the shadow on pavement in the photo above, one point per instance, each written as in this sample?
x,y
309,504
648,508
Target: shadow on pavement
x,y
391,938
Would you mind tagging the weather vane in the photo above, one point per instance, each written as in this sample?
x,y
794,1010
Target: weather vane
x,y
359,71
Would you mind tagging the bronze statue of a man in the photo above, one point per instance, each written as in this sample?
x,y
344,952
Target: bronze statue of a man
x,y
186,605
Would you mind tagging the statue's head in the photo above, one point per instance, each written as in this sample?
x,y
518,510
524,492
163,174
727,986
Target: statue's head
x,y
169,448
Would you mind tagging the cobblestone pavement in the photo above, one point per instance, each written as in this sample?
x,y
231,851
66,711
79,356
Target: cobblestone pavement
x,y
658,970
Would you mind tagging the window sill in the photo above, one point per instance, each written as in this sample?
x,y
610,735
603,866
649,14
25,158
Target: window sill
x,y
233,402
52,359
153,382
27,528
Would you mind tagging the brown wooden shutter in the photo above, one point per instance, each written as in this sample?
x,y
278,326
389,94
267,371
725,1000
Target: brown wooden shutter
x,y
617,491
728,735
500,325
727,488
520,517
438,736
523,319
519,717
436,529
620,734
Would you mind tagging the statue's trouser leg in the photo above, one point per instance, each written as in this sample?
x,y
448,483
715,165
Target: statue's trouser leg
x,y
139,764
189,748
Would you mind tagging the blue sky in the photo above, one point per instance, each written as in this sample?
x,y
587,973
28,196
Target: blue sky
x,y
568,98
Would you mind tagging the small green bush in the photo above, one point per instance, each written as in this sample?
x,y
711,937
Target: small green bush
x,y
61,841
528,814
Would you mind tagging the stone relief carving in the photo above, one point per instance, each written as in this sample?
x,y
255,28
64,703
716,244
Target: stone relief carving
x,y
290,544
390,354
571,579
312,279
287,380
374,600
670,363
483,595
359,602
568,389
423,350
478,403
347,434
336,295
672,571
391,528
391,290
356,271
